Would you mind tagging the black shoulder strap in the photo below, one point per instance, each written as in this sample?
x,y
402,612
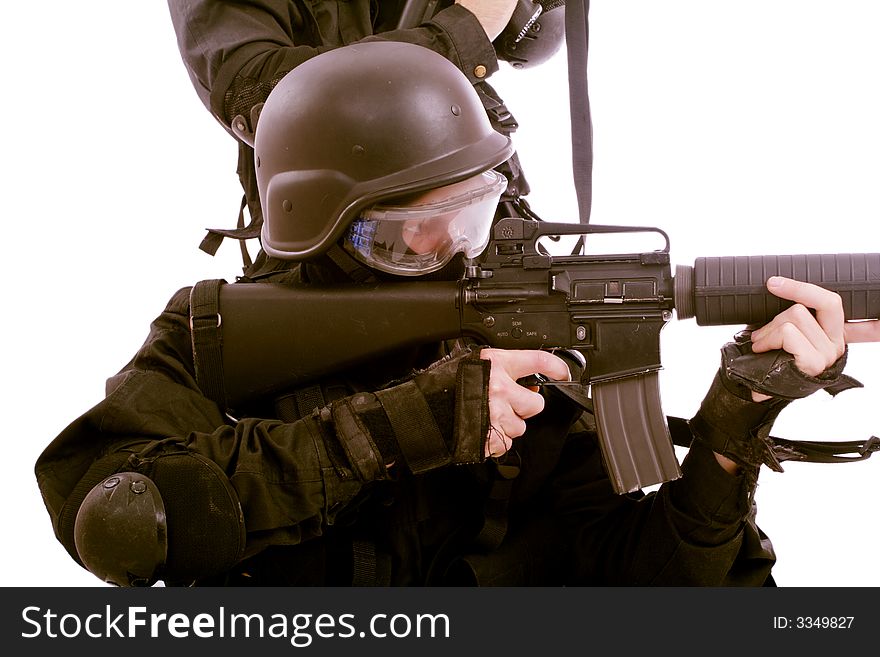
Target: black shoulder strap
x,y
577,40
205,326
794,450
824,452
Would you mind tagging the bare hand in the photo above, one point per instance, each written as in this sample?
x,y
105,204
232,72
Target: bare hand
x,y
510,403
492,14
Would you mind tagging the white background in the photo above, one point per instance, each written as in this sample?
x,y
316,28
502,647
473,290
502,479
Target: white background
x,y
739,128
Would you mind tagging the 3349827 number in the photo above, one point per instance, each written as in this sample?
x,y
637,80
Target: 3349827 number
x,y
823,622
813,622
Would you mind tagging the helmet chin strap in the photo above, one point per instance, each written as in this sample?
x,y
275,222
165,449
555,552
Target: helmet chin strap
x,y
350,267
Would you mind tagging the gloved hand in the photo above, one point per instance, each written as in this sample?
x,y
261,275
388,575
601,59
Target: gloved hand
x,y
737,427
435,417
762,371
775,373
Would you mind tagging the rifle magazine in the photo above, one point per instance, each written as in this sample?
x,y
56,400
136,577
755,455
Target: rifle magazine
x,y
637,448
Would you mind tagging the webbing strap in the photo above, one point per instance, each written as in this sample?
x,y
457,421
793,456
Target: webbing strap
x,y
204,322
369,567
355,439
495,508
793,450
349,266
824,452
300,403
417,433
577,40
214,236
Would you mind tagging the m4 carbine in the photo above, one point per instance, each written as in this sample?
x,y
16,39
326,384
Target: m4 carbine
x,y
610,308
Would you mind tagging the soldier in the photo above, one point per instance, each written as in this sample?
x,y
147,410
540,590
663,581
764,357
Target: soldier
x,y
435,466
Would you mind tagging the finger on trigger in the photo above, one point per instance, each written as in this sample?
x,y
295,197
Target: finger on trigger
x,y
554,367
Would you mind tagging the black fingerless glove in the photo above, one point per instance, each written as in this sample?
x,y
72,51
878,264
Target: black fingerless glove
x,y
733,425
774,373
438,417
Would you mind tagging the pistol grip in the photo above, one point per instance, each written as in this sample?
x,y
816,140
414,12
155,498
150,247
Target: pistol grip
x,y
636,445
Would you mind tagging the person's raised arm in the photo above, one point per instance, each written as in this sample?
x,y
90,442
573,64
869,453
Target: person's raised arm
x,y
235,52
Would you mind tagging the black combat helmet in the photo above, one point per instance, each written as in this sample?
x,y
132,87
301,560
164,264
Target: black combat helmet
x,y
359,124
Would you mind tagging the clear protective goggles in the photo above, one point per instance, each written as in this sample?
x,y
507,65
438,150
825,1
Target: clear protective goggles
x,y
422,233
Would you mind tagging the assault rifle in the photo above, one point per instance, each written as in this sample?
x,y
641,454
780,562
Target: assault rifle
x,y
610,308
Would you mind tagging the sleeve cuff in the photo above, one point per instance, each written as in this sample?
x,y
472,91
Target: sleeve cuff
x,y
475,53
708,503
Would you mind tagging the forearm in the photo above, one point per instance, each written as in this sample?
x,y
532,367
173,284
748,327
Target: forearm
x,y
256,66
456,34
705,524
688,533
288,480
235,52
214,38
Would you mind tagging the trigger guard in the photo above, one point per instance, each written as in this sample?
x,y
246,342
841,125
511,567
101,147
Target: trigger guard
x,y
577,364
